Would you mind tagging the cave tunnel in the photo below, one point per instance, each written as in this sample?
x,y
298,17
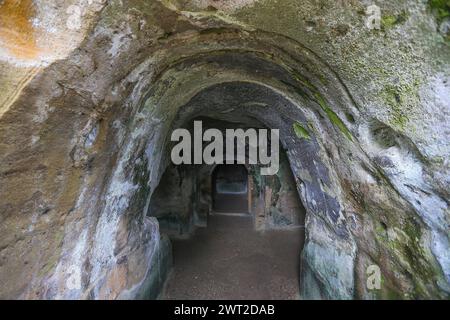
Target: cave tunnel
x,y
228,225
92,205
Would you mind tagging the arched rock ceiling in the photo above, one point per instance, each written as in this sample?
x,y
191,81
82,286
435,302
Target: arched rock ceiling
x,y
82,138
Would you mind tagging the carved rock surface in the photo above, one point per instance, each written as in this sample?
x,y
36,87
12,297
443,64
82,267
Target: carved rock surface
x,y
90,91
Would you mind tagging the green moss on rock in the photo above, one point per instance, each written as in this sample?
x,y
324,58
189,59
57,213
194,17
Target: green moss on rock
x,y
389,21
333,117
300,131
402,100
440,8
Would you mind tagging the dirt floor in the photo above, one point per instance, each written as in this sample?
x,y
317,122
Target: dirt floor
x,y
230,260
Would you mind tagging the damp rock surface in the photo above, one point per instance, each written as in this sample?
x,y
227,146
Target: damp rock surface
x,y
90,91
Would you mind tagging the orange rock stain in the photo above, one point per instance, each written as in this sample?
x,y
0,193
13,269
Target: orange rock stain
x,y
17,33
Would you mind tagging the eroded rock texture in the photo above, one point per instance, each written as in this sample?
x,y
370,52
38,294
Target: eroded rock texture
x,y
90,91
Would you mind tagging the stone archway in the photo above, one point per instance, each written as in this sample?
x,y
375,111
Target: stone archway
x,y
84,140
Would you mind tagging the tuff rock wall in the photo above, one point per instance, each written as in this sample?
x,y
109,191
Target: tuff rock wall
x,y
90,90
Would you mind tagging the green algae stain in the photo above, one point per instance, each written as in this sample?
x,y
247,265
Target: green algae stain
x,y
402,100
300,131
403,242
334,118
303,81
389,21
53,260
440,8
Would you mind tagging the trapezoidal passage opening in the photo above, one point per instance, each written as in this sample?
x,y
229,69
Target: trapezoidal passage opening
x,y
230,189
